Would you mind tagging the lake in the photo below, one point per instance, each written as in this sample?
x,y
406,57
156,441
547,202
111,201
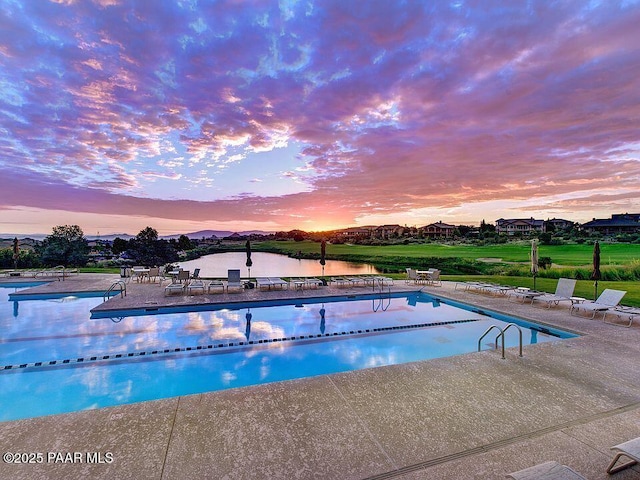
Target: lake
x,y
272,265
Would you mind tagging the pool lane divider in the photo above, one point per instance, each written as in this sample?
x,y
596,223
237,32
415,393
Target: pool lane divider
x,y
217,346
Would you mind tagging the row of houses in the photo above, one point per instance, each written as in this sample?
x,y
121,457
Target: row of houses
x,y
618,223
433,230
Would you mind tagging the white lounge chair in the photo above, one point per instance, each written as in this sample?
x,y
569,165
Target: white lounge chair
x,y
564,292
233,280
547,471
213,284
179,284
195,284
609,298
278,282
629,313
629,449
262,282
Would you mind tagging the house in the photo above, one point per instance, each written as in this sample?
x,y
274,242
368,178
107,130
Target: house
x,y
357,232
522,226
388,231
560,224
618,223
438,230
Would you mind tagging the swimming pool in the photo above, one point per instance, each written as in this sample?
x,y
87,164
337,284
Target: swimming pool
x,y
55,358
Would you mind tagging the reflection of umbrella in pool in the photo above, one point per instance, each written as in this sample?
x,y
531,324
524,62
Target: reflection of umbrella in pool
x,y
534,261
247,330
323,253
322,326
16,252
249,262
596,274
15,308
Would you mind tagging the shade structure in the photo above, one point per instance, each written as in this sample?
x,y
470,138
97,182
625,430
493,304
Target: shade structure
x,y
534,261
16,252
323,253
249,262
596,274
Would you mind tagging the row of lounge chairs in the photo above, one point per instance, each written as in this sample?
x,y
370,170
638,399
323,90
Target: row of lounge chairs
x,y
362,281
184,283
59,272
607,303
629,452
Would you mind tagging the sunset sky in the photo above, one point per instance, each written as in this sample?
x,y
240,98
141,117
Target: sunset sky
x,y
315,114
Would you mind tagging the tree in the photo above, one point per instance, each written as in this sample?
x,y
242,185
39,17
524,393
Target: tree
x,y
119,245
184,243
147,249
65,246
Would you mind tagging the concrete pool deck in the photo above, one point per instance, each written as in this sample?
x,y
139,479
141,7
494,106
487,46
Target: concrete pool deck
x,y
472,416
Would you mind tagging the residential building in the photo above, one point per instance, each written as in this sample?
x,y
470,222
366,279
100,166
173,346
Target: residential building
x,y
523,226
618,223
438,230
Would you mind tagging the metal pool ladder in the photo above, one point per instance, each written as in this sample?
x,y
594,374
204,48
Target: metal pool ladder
x,y
119,284
501,334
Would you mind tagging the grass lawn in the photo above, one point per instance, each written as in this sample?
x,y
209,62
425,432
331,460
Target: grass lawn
x,y
611,254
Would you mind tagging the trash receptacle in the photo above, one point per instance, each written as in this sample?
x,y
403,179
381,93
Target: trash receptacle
x,y
125,272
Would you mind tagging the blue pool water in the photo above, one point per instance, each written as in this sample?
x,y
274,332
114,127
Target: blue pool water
x,y
55,358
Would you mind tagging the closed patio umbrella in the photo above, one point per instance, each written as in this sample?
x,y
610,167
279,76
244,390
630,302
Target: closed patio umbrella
x,y
323,253
249,262
16,252
596,274
534,261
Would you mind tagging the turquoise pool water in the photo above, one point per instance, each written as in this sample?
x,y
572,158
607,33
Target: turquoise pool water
x,y
55,358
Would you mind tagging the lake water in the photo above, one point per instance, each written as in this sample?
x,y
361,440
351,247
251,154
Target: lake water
x,y
272,265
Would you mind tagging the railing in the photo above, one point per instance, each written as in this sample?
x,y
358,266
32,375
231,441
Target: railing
x,y
501,334
380,301
119,284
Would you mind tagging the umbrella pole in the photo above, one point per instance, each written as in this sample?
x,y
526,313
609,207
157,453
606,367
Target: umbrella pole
x,y
595,290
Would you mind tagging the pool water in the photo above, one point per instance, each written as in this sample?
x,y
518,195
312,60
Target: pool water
x,y
55,358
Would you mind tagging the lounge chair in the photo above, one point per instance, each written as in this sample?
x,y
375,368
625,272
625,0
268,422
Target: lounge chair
x,y
564,292
608,299
340,281
524,293
278,282
629,449
233,280
621,312
262,282
179,284
195,284
547,471
213,284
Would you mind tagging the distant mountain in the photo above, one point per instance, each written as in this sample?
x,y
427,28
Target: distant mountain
x,y
218,234
125,236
